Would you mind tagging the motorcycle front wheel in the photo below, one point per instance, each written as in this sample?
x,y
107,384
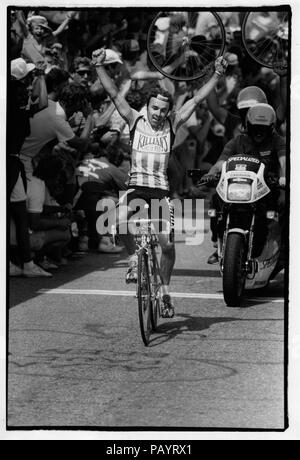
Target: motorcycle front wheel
x,y
234,275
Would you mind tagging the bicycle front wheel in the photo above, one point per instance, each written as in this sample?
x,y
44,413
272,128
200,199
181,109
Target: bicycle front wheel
x,y
183,45
156,284
265,35
144,297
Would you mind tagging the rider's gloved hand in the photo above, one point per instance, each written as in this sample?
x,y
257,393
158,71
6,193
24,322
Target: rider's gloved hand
x,y
208,178
220,66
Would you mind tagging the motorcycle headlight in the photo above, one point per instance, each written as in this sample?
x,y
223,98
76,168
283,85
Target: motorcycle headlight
x,y
239,192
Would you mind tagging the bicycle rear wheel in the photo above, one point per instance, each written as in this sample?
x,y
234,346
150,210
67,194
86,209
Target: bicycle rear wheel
x,y
144,297
183,45
265,36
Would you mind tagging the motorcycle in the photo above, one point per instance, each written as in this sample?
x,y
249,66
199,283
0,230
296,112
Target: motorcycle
x,y
247,222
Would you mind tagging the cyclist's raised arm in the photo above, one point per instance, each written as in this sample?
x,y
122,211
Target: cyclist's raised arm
x,y
124,109
184,113
280,148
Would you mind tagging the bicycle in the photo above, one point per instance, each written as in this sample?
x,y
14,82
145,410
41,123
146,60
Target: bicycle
x,y
149,280
265,36
183,45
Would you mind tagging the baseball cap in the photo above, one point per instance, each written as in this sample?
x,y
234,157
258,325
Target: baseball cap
x,y
111,57
40,20
261,114
250,96
19,68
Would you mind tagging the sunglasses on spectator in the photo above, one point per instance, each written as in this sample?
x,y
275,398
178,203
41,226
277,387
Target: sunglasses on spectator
x,y
83,72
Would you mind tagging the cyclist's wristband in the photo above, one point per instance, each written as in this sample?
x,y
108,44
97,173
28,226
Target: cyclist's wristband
x,y
220,74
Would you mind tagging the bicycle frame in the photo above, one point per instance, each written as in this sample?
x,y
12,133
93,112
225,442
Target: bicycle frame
x,y
147,241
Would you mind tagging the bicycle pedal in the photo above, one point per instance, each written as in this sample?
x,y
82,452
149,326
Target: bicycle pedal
x,y
131,281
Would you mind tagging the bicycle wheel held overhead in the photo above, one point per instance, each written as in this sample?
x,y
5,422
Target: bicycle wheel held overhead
x,y
183,45
144,297
265,36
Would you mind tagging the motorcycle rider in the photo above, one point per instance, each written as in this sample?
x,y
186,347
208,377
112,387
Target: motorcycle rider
x,y
235,124
261,140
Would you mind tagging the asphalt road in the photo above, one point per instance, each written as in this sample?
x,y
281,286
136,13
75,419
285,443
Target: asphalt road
x,y
76,358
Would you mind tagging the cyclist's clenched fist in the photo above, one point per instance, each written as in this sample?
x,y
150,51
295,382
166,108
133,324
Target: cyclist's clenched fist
x,y
98,57
221,65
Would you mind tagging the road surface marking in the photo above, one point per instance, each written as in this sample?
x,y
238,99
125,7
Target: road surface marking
x,y
181,295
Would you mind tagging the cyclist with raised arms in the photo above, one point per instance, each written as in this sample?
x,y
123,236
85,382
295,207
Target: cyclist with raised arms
x,y
152,133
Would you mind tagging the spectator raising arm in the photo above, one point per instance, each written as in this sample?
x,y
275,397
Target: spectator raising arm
x,y
22,23
64,24
82,143
39,95
280,69
217,111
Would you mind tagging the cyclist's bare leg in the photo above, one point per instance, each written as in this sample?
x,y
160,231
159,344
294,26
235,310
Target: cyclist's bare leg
x,y
167,260
167,263
124,213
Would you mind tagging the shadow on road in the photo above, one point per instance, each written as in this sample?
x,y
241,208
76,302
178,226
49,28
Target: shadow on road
x,y
196,273
20,289
193,324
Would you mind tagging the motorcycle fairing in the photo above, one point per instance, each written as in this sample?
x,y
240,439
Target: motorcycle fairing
x,y
243,162
243,168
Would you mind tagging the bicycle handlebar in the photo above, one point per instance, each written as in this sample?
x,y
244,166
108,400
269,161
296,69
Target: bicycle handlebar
x,y
141,222
208,181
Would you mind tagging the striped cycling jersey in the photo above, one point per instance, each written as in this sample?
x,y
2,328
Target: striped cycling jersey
x,y
150,153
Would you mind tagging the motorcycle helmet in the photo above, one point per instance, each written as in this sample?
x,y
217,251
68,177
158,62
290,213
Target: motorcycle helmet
x,y
260,122
250,96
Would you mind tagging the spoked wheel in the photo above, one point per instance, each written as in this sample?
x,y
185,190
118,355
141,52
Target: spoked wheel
x,y
266,37
234,274
144,297
155,304
183,45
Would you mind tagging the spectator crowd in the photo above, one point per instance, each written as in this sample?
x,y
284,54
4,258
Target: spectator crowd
x,y
67,146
